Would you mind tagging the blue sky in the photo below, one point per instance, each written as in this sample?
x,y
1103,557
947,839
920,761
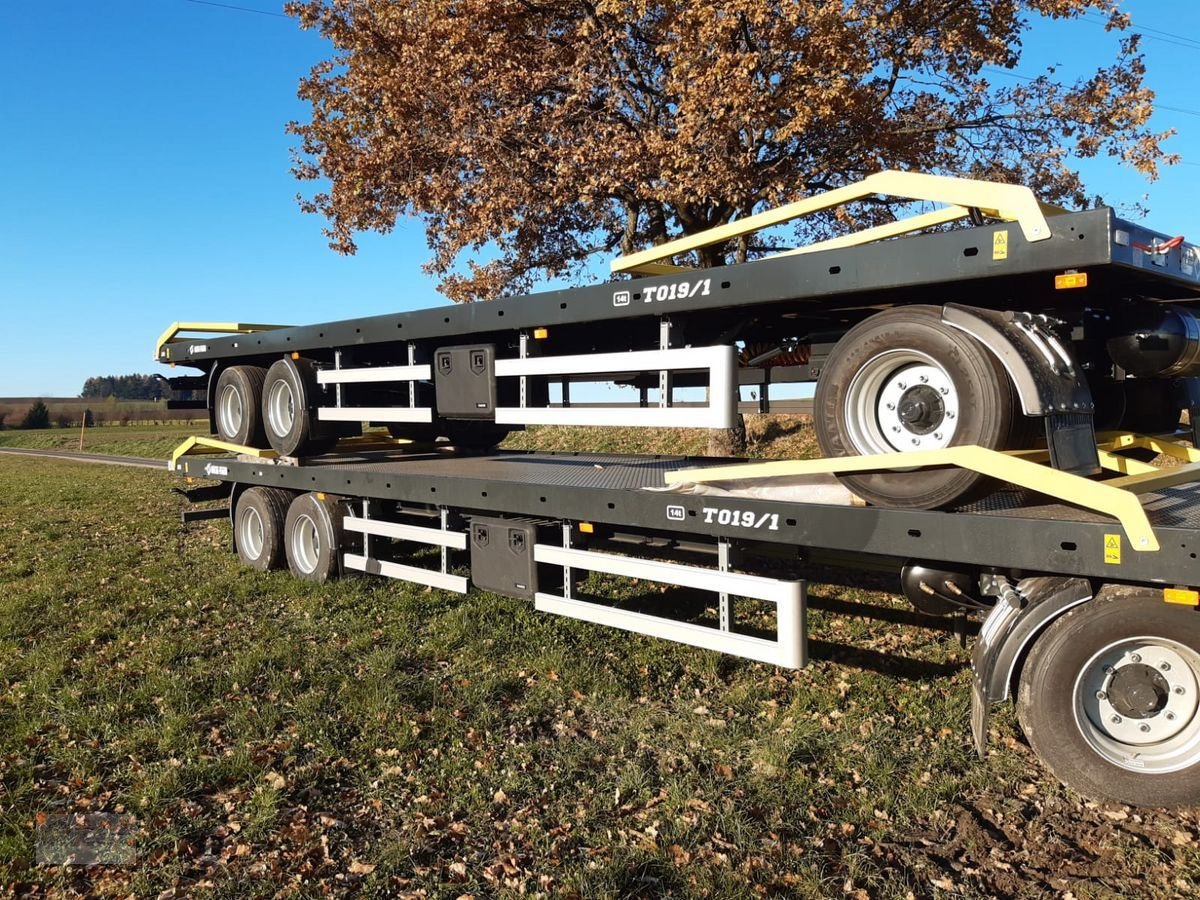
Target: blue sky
x,y
147,177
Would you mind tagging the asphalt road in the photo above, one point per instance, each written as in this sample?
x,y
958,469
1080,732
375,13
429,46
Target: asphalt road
x,y
100,458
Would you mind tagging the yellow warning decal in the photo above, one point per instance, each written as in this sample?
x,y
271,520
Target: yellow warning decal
x,y
1000,244
1112,549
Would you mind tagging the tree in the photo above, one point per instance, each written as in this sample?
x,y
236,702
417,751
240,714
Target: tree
x,y
124,387
37,416
541,133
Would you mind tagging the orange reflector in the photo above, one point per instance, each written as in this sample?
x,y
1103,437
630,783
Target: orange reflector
x,y
1070,280
320,495
586,527
540,334
1182,596
295,355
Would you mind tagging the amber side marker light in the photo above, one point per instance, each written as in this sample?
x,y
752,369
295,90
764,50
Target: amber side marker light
x,y
586,527
540,334
1182,596
1070,280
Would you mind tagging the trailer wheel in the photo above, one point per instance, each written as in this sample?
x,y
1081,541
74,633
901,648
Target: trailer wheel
x,y
905,380
237,404
258,525
314,536
1108,699
289,410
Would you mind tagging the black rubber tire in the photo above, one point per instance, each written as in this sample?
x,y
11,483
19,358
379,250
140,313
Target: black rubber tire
x,y
315,556
468,435
246,382
262,508
1046,705
989,411
307,435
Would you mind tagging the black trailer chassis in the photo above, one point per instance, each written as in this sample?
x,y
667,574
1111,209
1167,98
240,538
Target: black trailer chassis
x,y
528,524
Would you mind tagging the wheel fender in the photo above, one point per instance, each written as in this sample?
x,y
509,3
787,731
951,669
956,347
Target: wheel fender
x,y
1007,634
1039,364
1047,380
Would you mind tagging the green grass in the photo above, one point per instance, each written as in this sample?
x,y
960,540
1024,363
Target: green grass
x,y
155,441
368,736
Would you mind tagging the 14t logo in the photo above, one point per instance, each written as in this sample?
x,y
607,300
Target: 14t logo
x,y
676,290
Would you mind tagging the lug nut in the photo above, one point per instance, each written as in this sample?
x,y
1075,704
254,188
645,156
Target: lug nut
x,y
1144,728
937,435
924,379
1108,670
1116,720
949,414
1100,695
1135,657
891,406
1165,666
1179,690
1170,717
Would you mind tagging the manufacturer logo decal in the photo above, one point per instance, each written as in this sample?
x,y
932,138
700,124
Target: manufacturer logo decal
x,y
676,514
621,298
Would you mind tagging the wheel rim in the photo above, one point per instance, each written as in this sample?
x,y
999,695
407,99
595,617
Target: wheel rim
x,y
901,400
281,408
306,544
1136,704
251,533
231,410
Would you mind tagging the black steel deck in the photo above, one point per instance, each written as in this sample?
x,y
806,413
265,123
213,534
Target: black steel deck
x,y
1012,530
936,267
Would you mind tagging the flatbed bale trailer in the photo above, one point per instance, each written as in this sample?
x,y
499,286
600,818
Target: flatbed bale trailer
x,y
995,394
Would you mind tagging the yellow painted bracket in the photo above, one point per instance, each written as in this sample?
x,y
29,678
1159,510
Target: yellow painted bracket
x,y
1103,497
1008,202
162,349
198,445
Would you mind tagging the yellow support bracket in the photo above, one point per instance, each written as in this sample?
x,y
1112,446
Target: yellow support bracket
x,y
1008,202
198,445
1123,505
162,351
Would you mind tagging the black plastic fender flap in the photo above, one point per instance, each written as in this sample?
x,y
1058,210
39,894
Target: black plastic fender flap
x,y
1047,379
1021,613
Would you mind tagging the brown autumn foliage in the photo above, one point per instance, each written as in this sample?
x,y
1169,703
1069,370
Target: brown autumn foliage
x,y
543,132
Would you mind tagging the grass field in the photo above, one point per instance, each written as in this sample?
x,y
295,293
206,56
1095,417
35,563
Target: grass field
x,y
268,737
121,440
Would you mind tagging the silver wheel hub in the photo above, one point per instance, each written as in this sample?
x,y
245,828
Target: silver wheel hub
x,y
901,400
281,408
252,534
306,544
230,410
1136,703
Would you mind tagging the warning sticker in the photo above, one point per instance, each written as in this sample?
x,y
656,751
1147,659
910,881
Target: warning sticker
x,y
1112,548
1000,245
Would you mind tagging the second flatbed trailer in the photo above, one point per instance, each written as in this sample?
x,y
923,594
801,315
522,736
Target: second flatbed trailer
x,y
1090,620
